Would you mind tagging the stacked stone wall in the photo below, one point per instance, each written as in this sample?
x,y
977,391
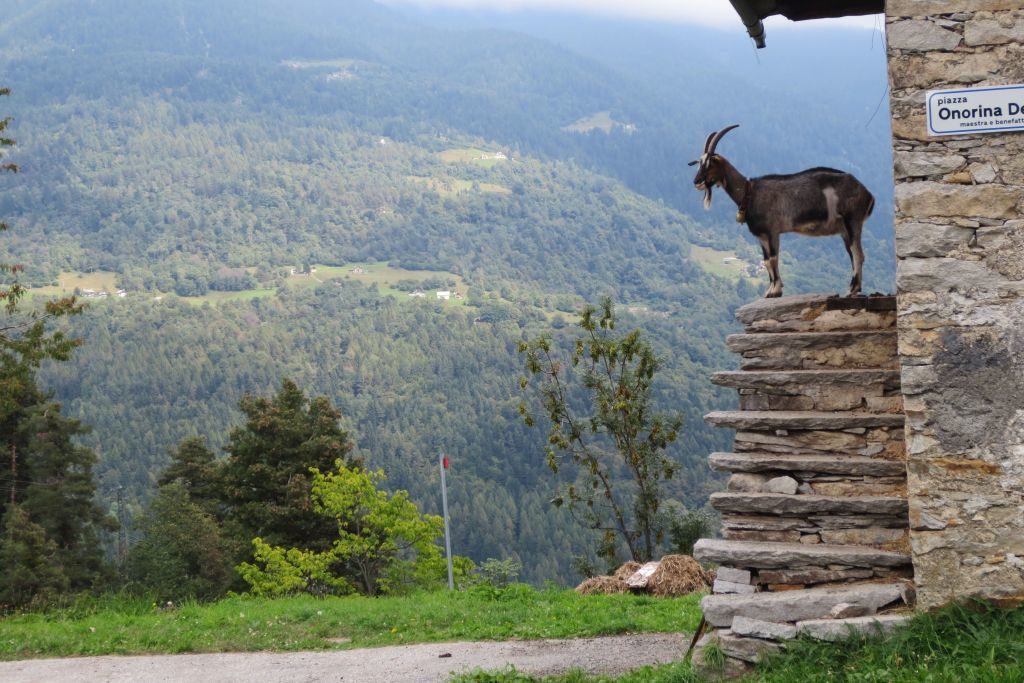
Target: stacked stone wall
x,y
960,283
814,517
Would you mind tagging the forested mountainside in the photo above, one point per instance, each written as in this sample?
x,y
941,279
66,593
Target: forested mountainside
x,y
195,153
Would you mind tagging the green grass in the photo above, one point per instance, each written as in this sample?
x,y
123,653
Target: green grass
x,y
470,155
99,280
453,187
957,644
679,672
220,297
318,63
126,626
711,260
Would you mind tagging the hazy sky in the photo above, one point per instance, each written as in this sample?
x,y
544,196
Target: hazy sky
x,y
708,12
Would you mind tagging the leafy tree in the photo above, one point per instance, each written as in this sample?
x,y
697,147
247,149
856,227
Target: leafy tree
x,y
383,543
618,447
279,571
182,553
265,482
689,527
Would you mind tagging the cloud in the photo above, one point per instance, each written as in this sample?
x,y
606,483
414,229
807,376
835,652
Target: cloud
x,y
718,13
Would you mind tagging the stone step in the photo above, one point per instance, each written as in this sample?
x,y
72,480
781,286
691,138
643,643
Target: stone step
x,y
813,523
810,350
756,555
836,630
792,381
872,390
818,313
786,420
782,504
849,465
803,605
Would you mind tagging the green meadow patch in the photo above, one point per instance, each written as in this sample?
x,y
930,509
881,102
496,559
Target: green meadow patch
x,y
453,187
67,283
722,263
472,155
132,626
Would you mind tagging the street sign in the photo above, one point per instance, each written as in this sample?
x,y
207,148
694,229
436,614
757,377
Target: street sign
x,y
976,110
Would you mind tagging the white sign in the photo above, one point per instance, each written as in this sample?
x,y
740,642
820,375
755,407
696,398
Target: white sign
x,y
976,110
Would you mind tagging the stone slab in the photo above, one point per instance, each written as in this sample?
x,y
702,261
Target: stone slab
x,y
812,575
749,554
641,576
746,649
721,586
800,420
782,504
757,628
797,605
767,380
836,630
850,465
733,575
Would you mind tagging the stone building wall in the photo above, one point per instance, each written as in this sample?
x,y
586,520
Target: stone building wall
x,y
960,285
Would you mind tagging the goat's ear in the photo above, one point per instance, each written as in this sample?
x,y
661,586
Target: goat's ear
x,y
694,162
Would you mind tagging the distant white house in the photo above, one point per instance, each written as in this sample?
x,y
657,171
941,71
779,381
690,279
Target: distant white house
x,y
418,294
358,271
444,295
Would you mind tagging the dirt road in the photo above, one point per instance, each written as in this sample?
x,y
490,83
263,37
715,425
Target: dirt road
x,y
400,664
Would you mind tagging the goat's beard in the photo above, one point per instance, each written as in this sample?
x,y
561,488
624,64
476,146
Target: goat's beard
x,y
707,198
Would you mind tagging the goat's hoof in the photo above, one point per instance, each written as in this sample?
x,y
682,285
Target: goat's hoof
x,y
773,295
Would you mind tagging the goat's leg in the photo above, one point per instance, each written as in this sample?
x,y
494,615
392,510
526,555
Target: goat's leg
x,y
775,290
766,256
853,248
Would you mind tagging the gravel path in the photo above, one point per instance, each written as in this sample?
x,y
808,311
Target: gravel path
x,y
398,664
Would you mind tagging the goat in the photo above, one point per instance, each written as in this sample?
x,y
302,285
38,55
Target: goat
x,y
815,202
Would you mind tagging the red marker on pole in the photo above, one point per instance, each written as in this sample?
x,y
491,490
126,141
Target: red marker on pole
x,y
444,461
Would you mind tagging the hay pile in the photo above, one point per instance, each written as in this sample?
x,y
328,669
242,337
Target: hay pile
x,y
627,570
606,585
675,575
678,575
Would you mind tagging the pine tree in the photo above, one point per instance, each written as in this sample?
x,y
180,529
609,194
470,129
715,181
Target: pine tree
x,y
265,480
182,553
52,524
195,467
31,571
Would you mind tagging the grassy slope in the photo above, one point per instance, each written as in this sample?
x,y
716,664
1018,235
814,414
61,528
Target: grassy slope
x,y
975,644
126,626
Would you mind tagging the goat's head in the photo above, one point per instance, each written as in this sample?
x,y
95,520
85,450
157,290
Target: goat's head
x,y
710,171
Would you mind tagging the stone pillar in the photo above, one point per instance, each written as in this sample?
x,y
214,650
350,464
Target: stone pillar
x,y
960,289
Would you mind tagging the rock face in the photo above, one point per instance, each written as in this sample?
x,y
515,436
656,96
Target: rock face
x,y
815,517
960,278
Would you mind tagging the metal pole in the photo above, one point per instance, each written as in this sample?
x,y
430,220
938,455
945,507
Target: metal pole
x,y
447,531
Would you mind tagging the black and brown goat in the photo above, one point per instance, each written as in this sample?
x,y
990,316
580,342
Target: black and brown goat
x,y
815,202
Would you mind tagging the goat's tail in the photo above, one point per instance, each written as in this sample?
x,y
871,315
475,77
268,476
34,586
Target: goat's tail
x,y
871,204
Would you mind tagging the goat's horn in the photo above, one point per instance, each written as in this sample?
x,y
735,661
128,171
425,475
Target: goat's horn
x,y
707,143
717,137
